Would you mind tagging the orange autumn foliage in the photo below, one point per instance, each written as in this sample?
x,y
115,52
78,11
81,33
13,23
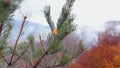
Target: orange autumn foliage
x,y
105,55
100,57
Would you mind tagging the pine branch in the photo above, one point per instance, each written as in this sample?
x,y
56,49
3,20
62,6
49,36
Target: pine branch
x,y
64,24
65,13
21,29
48,17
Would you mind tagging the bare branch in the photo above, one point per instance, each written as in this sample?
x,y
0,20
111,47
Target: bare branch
x,y
21,29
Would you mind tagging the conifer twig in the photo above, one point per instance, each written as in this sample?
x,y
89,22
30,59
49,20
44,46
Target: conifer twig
x,y
65,13
47,12
21,29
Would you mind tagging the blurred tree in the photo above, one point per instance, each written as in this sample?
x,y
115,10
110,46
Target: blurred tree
x,y
107,52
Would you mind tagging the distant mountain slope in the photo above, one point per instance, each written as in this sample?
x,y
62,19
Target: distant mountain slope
x,y
30,28
87,34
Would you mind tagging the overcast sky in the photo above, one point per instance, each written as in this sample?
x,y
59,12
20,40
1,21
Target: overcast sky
x,y
92,13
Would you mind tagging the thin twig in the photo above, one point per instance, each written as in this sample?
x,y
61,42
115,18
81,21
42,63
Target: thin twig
x,y
39,60
22,26
31,56
41,43
5,60
24,50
